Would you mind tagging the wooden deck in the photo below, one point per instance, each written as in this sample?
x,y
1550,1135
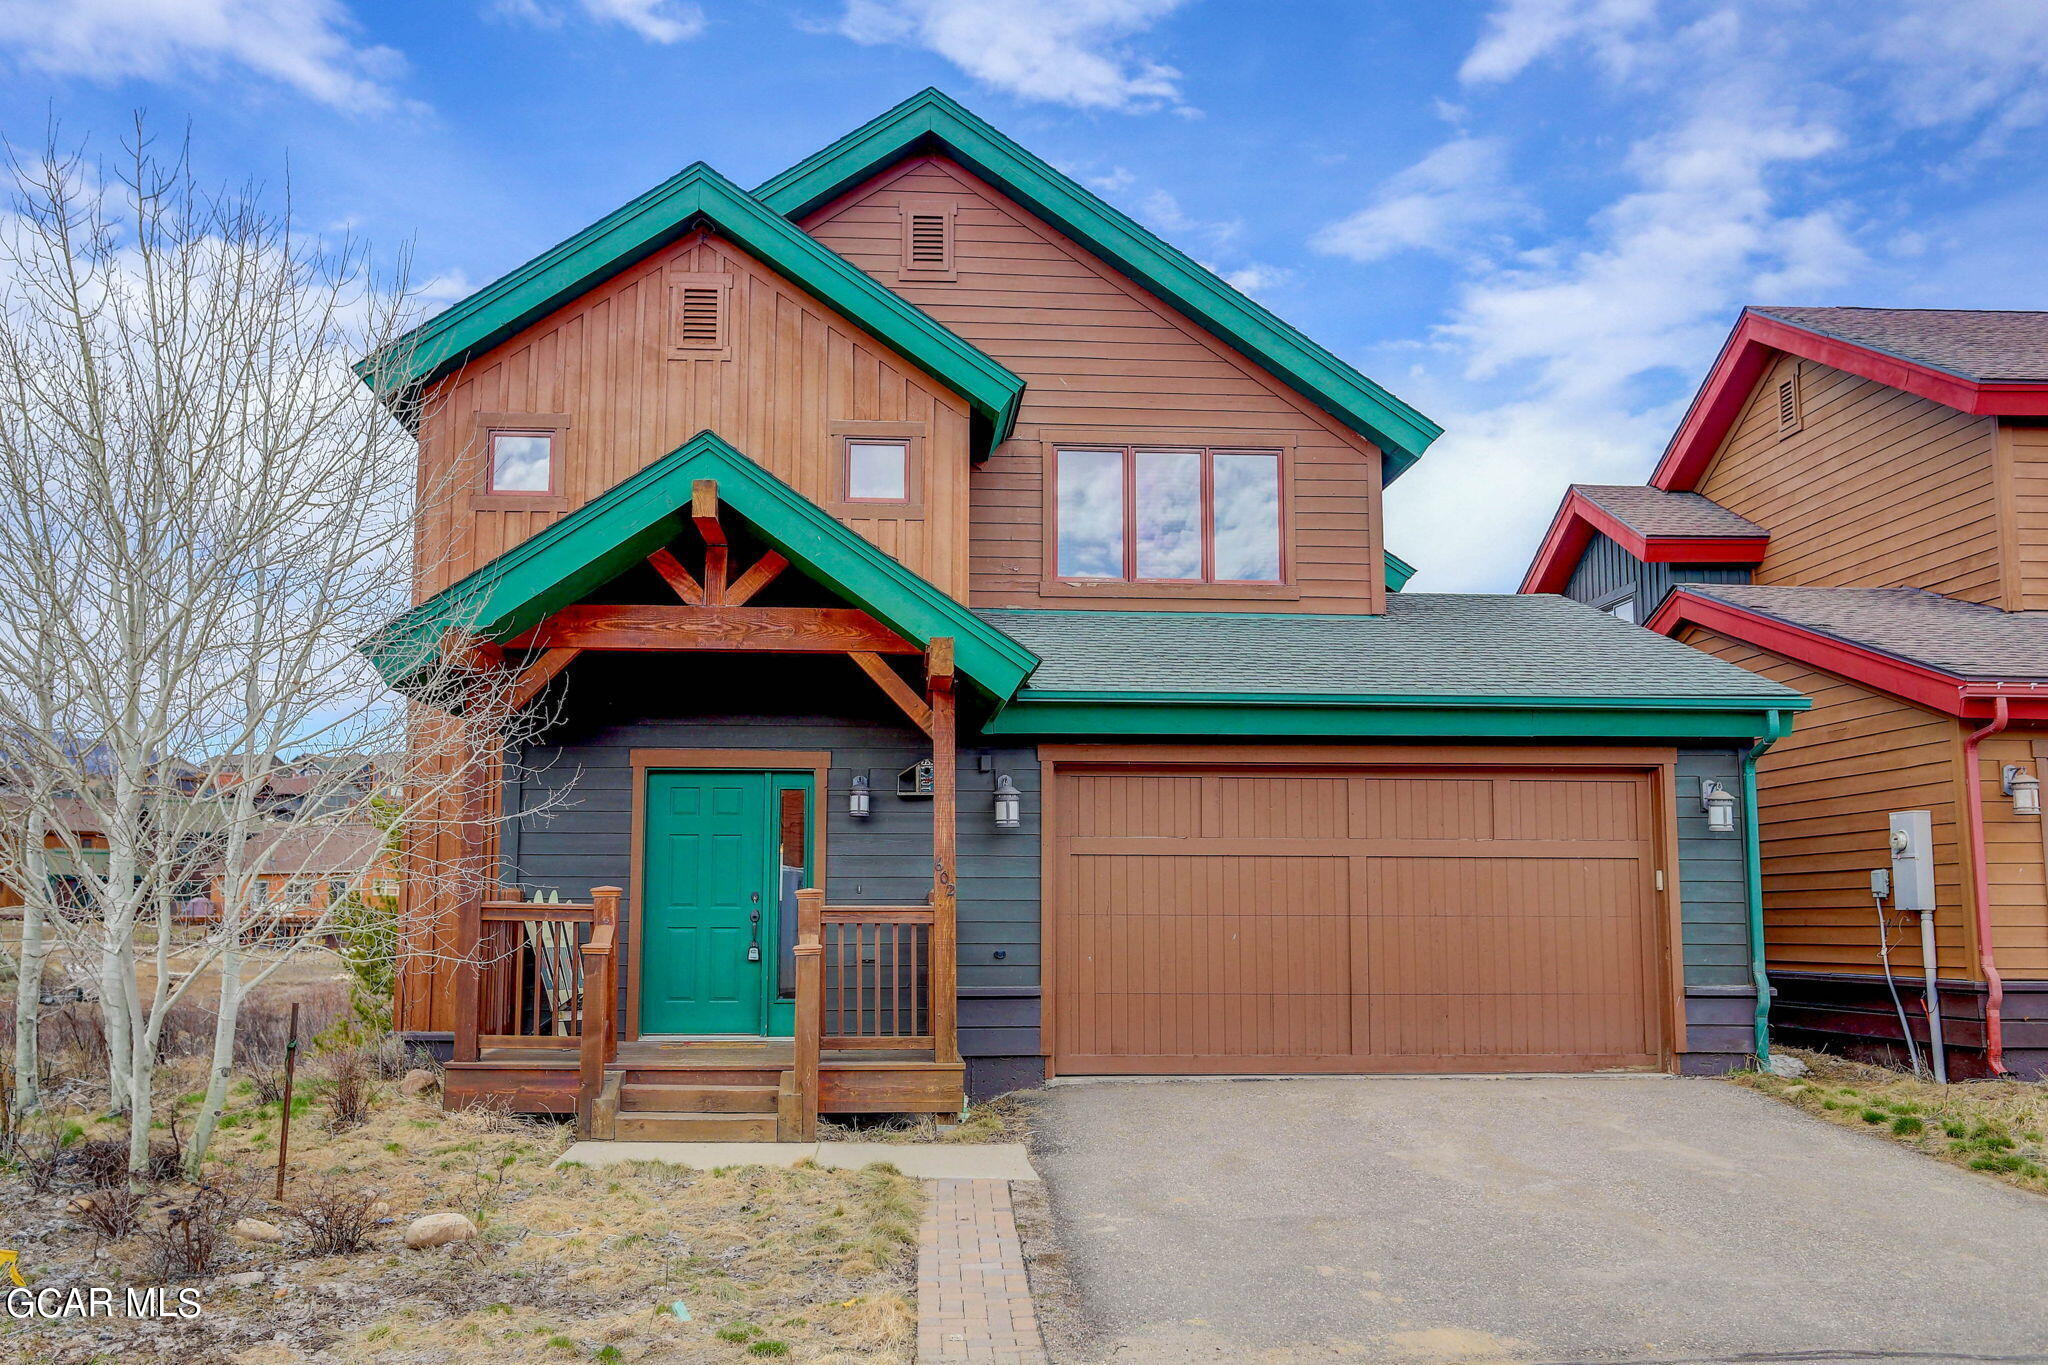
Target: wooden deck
x,y
867,1080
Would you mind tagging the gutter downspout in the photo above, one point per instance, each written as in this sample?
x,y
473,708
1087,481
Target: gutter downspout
x,y
1980,887
1753,860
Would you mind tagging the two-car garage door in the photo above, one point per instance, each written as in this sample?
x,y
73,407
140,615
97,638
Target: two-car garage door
x,y
1264,919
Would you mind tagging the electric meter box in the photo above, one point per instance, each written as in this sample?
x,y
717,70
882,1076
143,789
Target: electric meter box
x,y
1912,860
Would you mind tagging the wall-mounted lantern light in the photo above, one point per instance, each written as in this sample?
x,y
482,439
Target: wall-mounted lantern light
x,y
857,799
2023,787
1719,804
1009,803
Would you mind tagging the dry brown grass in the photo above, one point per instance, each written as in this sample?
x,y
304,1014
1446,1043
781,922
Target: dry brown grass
x,y
573,1264
1007,1118
1999,1128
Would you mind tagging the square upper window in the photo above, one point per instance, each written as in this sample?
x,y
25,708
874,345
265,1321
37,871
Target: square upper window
x,y
1168,516
877,471
522,462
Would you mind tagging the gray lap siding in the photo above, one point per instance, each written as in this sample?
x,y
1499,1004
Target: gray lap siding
x,y
573,790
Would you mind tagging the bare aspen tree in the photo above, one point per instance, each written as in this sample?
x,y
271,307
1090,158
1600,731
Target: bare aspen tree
x,y
204,513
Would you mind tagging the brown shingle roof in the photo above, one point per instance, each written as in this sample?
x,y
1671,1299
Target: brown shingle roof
x,y
1979,344
1654,512
1959,638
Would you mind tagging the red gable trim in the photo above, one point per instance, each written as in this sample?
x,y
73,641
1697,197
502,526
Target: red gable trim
x,y
1578,517
1758,340
1917,683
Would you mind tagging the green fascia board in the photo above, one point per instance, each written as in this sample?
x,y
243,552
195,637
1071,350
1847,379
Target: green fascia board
x,y
594,544
1400,431
1399,571
666,213
1240,717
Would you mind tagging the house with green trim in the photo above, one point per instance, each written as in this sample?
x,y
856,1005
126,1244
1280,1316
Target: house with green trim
x,y
966,649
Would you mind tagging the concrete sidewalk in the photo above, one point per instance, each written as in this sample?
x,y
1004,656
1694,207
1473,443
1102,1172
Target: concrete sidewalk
x,y
919,1160
1540,1220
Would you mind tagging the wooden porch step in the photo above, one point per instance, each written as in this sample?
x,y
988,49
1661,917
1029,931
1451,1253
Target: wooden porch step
x,y
698,1099
654,1126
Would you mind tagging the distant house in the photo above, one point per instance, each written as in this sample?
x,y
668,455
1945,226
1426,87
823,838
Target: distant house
x,y
1856,506
973,655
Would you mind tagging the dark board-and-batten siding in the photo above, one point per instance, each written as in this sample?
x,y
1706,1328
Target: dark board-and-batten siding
x,y
577,782
1713,892
1606,572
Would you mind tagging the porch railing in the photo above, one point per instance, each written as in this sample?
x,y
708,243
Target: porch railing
x,y
877,963
534,964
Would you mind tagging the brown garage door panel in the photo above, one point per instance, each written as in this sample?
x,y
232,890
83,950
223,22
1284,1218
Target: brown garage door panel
x,y
1259,921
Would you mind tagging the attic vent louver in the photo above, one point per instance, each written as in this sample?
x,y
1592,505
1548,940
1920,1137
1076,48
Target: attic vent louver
x,y
1789,415
700,317
927,238
928,241
700,323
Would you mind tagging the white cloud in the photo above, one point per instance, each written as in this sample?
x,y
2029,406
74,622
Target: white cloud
x,y
1438,204
1061,51
308,45
1255,279
1522,32
658,21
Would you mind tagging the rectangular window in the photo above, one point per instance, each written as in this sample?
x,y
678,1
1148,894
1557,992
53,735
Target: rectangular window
x,y
1168,516
877,471
522,462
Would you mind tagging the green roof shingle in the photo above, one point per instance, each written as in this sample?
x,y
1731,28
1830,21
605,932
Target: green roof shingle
x,y
1426,646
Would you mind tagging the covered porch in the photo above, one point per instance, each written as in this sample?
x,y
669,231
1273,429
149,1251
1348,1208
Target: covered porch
x,y
554,1002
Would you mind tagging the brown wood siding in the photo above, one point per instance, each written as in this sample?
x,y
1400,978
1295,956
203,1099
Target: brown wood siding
x,y
1826,794
1106,360
1877,488
1361,921
2024,461
796,370
2014,859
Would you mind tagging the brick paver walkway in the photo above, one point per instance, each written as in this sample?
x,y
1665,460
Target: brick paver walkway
x,y
973,1298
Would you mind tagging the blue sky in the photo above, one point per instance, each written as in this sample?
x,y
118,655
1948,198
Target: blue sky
x,y
1534,219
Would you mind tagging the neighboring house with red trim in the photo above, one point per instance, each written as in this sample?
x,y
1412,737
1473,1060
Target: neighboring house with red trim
x,y
1856,505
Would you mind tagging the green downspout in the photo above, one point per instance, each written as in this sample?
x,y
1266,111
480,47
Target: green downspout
x,y
1753,857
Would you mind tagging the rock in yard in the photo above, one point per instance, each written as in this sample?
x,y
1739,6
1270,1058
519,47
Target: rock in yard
x,y
256,1230
247,1279
417,1082
1790,1067
81,1206
438,1229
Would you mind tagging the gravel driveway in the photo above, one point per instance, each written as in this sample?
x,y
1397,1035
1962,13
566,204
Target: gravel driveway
x,y
1527,1220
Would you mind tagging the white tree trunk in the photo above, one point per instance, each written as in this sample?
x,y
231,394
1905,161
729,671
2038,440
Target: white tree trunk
x,y
28,1011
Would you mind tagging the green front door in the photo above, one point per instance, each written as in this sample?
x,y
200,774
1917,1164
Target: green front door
x,y
713,887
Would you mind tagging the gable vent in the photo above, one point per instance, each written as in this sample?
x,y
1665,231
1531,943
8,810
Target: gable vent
x,y
699,321
1788,404
928,241
927,238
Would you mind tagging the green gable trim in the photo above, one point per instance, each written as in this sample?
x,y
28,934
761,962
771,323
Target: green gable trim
x,y
1399,430
666,213
598,541
1381,718
1399,571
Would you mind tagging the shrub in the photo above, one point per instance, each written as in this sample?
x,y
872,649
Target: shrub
x,y
336,1219
113,1214
187,1240
366,931
349,1084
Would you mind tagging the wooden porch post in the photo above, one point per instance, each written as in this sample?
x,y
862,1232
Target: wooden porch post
x,y
810,1013
945,968
470,875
